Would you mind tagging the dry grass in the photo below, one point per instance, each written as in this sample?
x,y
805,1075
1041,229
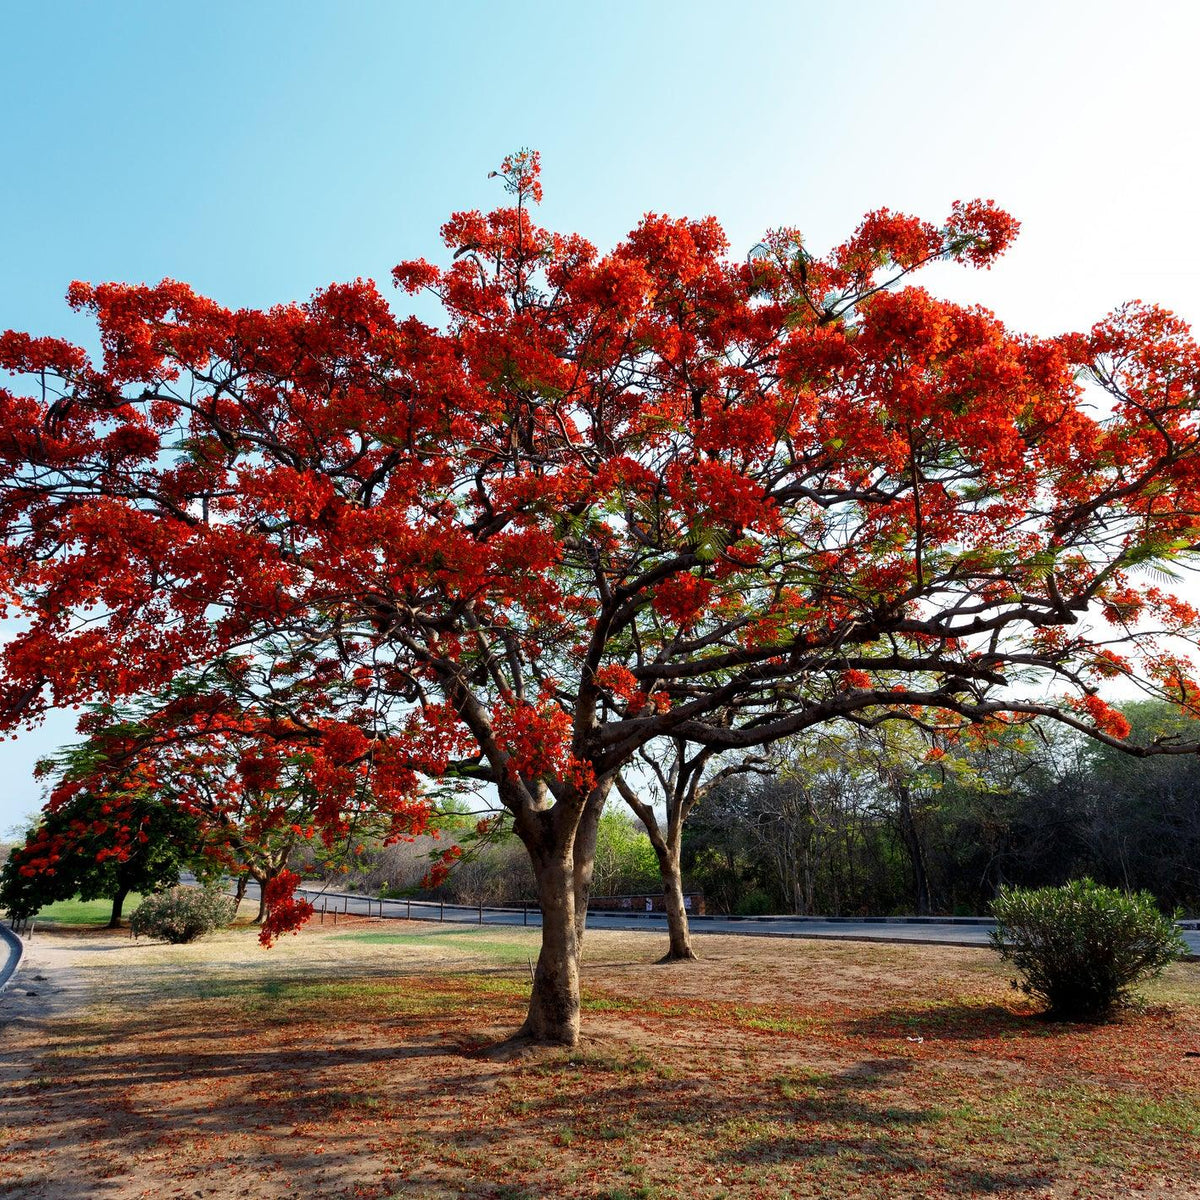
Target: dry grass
x,y
350,1062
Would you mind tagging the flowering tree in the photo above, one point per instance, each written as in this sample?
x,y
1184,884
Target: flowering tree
x,y
96,845
235,754
653,493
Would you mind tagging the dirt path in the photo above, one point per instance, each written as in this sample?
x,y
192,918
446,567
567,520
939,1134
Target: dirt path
x,y
47,989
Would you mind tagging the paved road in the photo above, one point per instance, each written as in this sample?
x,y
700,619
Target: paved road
x,y
951,931
11,950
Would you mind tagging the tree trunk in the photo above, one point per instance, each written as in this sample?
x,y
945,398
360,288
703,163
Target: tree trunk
x,y
553,1016
240,892
911,837
583,859
562,845
118,904
666,850
262,900
678,931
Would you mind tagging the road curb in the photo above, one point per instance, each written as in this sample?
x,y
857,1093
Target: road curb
x,y
16,954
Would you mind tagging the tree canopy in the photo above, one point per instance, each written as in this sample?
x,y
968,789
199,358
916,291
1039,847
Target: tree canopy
x,y
99,846
614,497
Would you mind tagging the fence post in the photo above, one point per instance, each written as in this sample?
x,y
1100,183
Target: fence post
x,y
408,909
441,910
524,913
481,912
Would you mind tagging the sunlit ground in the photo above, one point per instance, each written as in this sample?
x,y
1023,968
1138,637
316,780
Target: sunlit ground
x,y
351,1061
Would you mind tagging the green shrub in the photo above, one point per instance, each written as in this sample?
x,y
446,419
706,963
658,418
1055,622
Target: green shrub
x,y
1083,947
182,914
754,903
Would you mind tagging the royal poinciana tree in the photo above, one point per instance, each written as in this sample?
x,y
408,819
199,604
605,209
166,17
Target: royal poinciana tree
x,y
660,492
240,752
97,844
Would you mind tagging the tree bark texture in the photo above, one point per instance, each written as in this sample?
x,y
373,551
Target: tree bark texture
x,y
679,933
118,904
553,1016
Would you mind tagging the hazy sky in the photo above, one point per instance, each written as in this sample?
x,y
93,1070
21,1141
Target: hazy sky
x,y
260,150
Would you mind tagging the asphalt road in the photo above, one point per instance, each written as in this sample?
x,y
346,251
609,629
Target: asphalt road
x,y
950,931
11,949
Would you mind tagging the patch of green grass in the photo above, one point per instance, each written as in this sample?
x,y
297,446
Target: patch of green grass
x,y
616,1131
76,1050
588,1060
1179,985
803,1084
281,997
1042,1121
495,985
280,1000
85,912
601,1003
516,949
756,1018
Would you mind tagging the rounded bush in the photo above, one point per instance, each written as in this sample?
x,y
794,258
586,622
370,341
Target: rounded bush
x,y
1082,947
182,914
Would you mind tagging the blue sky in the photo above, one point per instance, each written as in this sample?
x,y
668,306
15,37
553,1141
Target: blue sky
x,y
260,150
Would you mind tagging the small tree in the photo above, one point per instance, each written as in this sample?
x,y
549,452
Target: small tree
x,y
1083,947
682,776
247,781
98,845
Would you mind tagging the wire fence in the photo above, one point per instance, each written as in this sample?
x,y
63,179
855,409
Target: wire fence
x,y
334,904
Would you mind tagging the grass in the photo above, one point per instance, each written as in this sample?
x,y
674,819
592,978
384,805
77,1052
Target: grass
x,y
85,912
516,947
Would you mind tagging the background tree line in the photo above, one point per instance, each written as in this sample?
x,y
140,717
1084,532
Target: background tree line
x,y
854,821
882,821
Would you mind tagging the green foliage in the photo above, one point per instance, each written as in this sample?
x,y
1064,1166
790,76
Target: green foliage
x,y
625,859
1083,947
77,833
183,914
754,903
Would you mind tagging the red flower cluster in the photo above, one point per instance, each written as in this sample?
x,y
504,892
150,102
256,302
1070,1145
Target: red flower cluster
x,y
285,913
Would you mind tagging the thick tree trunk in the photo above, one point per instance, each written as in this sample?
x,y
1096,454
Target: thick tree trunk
x,y
553,1016
262,900
678,931
118,903
240,891
561,842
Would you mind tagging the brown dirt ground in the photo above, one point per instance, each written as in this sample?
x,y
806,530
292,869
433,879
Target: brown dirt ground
x,y
353,1061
